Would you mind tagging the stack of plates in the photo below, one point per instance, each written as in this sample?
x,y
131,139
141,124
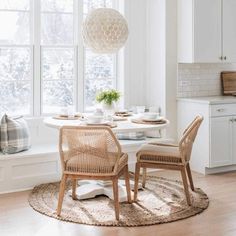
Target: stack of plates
x,y
152,120
123,113
131,136
103,122
66,117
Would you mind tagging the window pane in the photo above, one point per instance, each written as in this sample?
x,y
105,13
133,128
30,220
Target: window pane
x,y
99,69
15,98
57,94
89,4
14,27
15,83
57,5
57,64
14,4
56,28
58,78
14,64
99,66
92,87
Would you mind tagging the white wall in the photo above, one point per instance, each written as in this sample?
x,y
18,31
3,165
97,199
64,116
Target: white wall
x,y
162,59
171,66
155,31
135,53
150,56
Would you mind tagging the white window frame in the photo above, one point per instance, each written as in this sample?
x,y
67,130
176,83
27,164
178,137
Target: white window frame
x,y
35,47
115,5
29,46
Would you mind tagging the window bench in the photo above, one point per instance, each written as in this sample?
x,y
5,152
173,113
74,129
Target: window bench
x,y
24,170
41,163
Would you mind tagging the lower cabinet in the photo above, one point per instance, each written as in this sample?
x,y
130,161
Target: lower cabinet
x,y
214,149
221,141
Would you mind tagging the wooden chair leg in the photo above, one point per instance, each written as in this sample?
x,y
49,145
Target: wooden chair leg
x,y
190,178
144,177
74,185
136,178
127,184
116,197
61,194
185,183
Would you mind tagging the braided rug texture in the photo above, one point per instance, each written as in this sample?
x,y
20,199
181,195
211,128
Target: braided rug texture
x,y
162,201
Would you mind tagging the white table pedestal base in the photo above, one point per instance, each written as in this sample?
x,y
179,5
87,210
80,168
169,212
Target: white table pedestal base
x,y
90,189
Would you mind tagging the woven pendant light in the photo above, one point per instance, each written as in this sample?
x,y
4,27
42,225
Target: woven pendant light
x,y
105,30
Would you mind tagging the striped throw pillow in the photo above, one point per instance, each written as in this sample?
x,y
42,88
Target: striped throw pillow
x,y
14,135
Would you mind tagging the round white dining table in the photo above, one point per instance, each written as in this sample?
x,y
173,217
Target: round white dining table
x,y
126,126
92,188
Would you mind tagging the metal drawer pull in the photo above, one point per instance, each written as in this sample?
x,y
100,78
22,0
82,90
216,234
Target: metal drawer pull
x,y
232,120
220,109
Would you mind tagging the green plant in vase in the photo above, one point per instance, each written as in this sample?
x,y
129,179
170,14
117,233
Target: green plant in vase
x,y
108,99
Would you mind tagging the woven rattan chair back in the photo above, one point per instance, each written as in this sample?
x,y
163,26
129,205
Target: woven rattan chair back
x,y
175,157
187,140
91,152
89,149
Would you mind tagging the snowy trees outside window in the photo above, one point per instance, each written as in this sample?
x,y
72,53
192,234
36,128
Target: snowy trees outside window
x,y
60,67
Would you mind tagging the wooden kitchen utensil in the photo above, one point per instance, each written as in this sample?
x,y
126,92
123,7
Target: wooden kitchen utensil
x,y
228,79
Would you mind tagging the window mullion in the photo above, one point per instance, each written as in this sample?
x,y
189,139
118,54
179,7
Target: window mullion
x,y
37,58
80,55
119,61
116,84
31,15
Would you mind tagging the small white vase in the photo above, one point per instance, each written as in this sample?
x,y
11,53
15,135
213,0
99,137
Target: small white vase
x,y
109,110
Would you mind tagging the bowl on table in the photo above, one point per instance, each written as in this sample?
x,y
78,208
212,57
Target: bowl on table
x,y
150,116
95,119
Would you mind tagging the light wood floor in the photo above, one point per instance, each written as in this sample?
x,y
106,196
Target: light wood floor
x,y
17,218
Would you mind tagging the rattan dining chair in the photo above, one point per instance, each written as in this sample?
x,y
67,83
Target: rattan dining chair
x,y
169,156
91,152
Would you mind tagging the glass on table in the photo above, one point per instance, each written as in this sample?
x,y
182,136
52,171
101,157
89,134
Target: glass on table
x,y
140,109
109,118
71,111
68,111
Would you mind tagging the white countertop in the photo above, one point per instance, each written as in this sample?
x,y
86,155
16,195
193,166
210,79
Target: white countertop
x,y
210,100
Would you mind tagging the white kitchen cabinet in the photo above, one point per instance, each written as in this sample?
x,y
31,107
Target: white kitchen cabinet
x,y
221,141
206,31
214,149
229,30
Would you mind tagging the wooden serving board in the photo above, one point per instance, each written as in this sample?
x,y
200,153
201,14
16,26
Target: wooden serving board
x,y
140,121
228,82
111,125
65,117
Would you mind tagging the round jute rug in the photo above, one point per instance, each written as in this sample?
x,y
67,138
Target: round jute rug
x,y
162,201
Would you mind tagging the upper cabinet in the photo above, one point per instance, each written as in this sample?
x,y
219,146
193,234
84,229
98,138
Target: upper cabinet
x,y
229,30
206,31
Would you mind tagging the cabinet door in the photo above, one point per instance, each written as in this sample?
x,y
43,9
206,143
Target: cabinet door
x,y
229,30
221,142
207,31
234,141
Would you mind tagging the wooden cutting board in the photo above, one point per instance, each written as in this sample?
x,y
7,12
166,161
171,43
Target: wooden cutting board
x,y
228,82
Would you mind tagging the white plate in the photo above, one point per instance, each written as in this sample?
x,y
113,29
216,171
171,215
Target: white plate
x,y
103,122
119,118
156,119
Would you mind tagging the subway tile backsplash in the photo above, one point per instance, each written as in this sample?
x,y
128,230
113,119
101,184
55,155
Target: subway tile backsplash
x,y
195,80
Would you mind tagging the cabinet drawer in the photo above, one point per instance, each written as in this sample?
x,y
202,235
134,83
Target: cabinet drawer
x,y
222,110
